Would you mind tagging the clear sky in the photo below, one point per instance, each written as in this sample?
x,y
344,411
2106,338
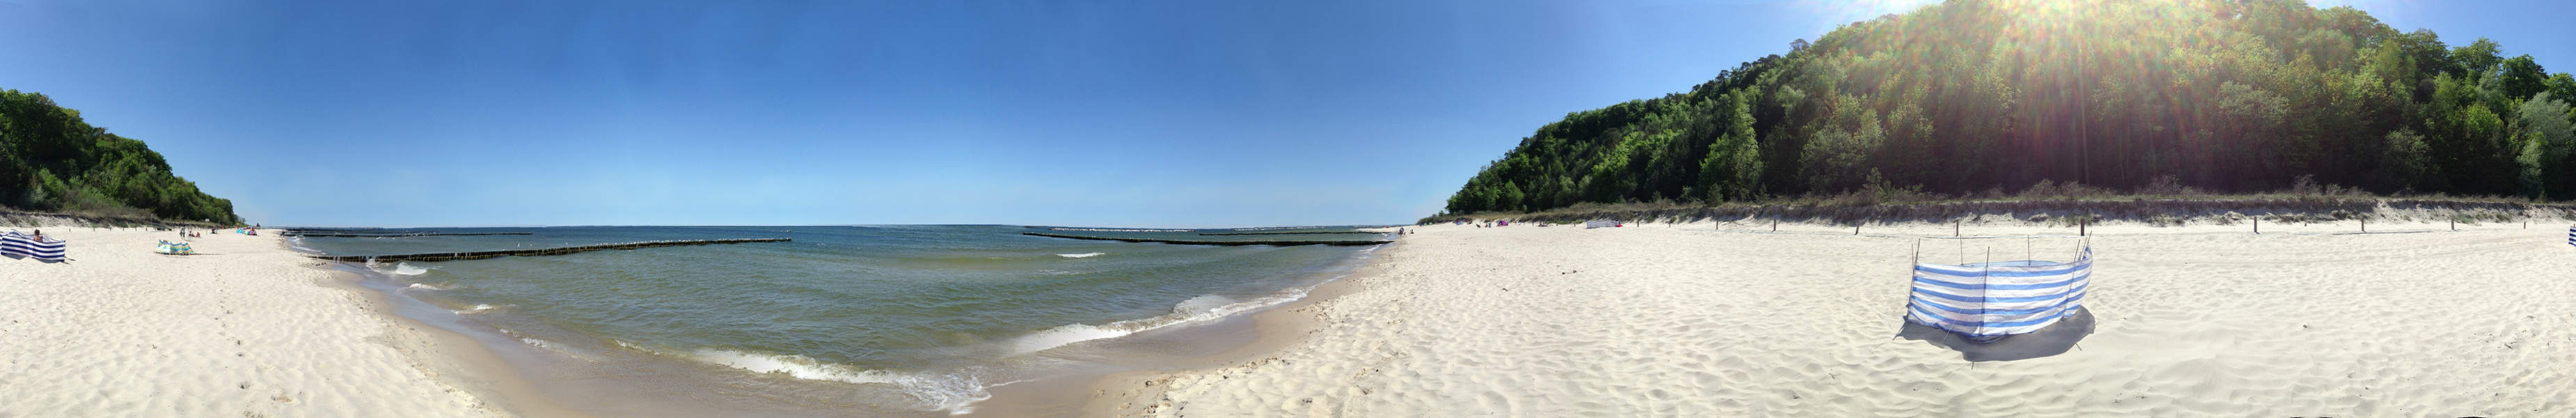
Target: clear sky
x,y
1129,113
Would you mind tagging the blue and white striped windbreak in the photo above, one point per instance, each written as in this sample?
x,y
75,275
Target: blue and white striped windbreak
x,y
25,246
2571,235
1991,300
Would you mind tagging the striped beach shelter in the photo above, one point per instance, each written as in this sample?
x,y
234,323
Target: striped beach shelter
x,y
21,245
2571,235
1989,301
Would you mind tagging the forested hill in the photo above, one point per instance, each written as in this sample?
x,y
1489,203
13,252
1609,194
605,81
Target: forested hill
x,y
1971,96
52,161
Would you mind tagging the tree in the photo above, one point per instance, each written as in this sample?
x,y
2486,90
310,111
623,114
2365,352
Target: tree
x,y
1733,167
2523,78
2475,60
50,159
2547,139
1973,96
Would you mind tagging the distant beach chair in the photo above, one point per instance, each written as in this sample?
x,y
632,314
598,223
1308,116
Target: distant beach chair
x,y
21,245
1992,300
176,248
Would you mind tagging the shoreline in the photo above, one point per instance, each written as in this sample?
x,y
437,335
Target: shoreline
x,y
467,362
1277,330
1248,335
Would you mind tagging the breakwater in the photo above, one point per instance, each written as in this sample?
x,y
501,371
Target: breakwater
x,y
473,255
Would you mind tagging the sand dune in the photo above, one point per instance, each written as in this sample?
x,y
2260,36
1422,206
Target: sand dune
x,y
244,330
1712,319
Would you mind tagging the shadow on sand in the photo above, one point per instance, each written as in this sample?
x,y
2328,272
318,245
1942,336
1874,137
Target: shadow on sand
x,y
2050,341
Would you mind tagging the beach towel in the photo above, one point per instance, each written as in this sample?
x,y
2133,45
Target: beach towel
x,y
1989,301
21,245
167,247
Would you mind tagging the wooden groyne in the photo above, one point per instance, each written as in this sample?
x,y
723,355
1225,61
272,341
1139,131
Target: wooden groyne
x,y
1191,242
476,255
403,234
1288,233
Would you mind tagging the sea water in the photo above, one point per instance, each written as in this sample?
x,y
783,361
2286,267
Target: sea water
x,y
895,318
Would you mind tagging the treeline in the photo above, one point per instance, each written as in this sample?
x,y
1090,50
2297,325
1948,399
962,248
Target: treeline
x,y
1982,96
52,161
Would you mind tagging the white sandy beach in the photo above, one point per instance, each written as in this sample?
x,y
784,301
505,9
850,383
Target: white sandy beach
x,y
1704,319
245,329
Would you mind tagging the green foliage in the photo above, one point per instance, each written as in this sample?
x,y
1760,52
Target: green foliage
x,y
64,164
1733,167
1966,96
2546,140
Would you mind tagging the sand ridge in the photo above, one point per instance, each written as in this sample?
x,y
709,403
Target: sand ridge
x,y
1730,319
246,328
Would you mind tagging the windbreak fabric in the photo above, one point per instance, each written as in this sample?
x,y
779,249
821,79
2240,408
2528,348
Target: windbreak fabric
x,y
25,246
1993,300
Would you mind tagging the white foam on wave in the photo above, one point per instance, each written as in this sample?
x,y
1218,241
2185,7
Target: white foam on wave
x,y
955,393
1081,255
1202,308
546,345
796,366
403,268
423,286
478,308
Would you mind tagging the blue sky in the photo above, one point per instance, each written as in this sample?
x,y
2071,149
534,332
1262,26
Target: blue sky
x,y
1132,113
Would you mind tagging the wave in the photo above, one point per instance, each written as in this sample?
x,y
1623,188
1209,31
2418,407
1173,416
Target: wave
x,y
1202,308
423,286
297,244
478,308
403,268
953,392
1081,255
406,269
547,345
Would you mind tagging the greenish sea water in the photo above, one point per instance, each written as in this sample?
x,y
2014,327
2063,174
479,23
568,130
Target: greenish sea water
x,y
912,317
